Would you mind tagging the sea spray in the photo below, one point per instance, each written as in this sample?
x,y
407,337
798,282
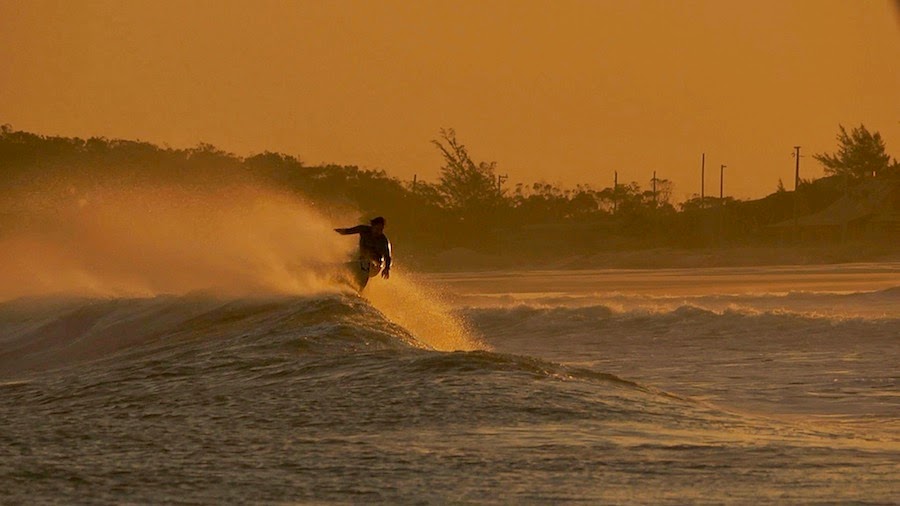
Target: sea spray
x,y
149,239
419,309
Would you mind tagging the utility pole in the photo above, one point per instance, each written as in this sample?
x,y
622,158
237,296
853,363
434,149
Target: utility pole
x,y
500,180
615,191
796,191
722,182
702,177
722,204
654,188
414,184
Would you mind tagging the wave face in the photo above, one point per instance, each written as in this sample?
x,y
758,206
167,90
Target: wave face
x,y
42,334
324,398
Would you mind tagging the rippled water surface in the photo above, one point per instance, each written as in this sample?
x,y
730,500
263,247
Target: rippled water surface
x,y
772,385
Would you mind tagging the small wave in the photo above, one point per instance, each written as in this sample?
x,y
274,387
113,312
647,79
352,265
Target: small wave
x,y
481,361
682,322
877,304
14,383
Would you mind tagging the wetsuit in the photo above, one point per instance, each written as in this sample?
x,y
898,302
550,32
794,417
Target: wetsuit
x,y
373,250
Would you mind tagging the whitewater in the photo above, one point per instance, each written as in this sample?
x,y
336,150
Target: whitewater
x,y
157,371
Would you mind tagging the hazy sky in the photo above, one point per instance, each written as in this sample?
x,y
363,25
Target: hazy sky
x,y
562,91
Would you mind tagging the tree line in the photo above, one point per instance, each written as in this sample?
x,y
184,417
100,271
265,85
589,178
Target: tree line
x,y
466,207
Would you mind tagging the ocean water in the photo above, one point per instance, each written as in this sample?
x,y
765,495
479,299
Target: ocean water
x,y
774,385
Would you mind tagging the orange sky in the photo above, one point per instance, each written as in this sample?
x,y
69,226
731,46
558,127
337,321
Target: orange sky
x,y
562,91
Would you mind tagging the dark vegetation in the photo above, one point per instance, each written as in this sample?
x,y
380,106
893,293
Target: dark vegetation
x,y
467,208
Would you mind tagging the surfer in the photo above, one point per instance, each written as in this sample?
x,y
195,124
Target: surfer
x,y
374,250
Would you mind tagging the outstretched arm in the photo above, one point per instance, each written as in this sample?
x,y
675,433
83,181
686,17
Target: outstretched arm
x,y
347,231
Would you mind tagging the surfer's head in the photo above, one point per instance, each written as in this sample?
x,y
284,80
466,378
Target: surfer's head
x,y
377,225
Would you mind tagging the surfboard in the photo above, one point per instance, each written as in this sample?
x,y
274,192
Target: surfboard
x,y
361,271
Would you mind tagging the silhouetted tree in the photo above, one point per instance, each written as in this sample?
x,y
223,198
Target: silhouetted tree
x,y
664,190
859,154
465,185
582,202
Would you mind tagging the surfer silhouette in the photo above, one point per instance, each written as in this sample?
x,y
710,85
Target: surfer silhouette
x,y
374,251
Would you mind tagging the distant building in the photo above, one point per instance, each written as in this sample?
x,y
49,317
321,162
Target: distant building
x,y
869,210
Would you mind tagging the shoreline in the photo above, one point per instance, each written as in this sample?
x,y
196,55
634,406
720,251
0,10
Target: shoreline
x,y
467,260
